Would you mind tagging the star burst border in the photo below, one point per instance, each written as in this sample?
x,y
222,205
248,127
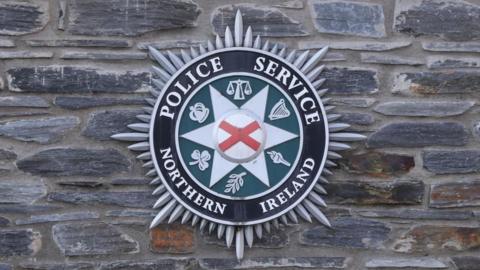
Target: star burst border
x,y
169,208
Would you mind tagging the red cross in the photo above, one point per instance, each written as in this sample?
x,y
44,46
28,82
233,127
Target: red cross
x,y
239,135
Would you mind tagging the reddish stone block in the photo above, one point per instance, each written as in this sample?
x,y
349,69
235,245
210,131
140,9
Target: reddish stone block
x,y
428,238
459,194
172,238
378,164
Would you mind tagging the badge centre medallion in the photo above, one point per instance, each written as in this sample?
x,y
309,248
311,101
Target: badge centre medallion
x,y
240,136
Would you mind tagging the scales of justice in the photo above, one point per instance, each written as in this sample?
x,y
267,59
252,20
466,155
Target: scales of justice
x,y
239,88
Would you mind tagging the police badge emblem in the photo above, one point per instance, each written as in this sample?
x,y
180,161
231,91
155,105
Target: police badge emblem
x,y
238,137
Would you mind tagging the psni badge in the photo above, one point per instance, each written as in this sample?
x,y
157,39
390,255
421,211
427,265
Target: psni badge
x,y
238,137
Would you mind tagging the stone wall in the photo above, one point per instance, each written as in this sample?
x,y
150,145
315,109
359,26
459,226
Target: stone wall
x,y
404,72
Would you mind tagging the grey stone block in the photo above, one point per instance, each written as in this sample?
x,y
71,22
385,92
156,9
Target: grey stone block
x,y
76,79
418,134
349,18
443,46
274,262
416,263
349,81
163,264
21,192
77,103
23,17
19,242
424,108
439,62
453,20
451,162
35,219
103,124
80,239
120,18
265,21
43,131
376,193
23,101
88,43
74,161
414,214
133,199
390,59
348,233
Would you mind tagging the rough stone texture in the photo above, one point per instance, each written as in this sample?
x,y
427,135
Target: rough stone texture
x,y
10,208
25,55
135,199
7,155
415,134
434,18
354,46
389,59
77,103
418,214
430,238
441,46
79,239
417,263
448,162
24,101
58,266
456,194
76,79
265,21
19,242
4,266
172,239
6,43
348,18
434,83
171,44
277,238
424,108
420,95
79,43
377,164
58,217
376,193
110,56
164,264
44,130
292,4
90,17
11,112
353,102
20,18
274,262
476,129
348,233
74,161
466,262
21,192
447,62
362,119
345,81
4,222
103,124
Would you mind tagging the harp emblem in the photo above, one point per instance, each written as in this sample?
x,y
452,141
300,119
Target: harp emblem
x,y
279,111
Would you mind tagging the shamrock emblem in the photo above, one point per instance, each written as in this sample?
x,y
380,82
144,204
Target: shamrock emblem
x,y
200,159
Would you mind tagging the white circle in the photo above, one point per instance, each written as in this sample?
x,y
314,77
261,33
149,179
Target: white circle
x,y
239,136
